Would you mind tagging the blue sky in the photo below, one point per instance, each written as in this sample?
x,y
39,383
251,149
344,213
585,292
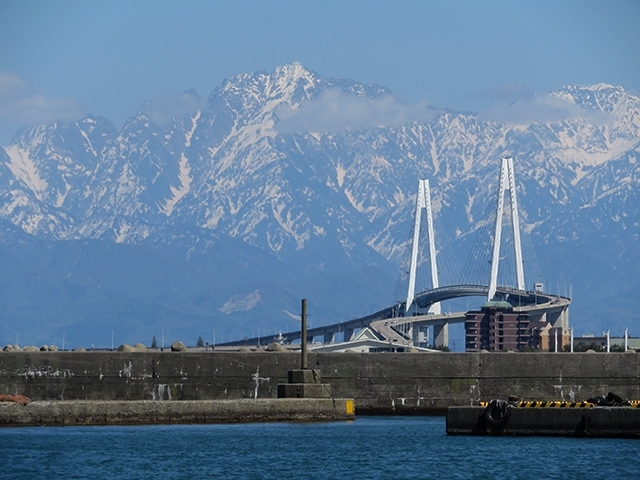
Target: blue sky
x,y
65,58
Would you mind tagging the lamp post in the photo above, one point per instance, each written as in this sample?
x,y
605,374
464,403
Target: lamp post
x,y
571,339
303,336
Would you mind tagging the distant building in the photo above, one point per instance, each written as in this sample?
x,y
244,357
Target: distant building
x,y
366,341
495,328
543,337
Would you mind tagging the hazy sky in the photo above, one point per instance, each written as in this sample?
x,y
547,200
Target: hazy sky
x,y
60,59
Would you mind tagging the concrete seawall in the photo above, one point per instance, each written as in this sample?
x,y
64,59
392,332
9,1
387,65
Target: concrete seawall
x,y
146,412
409,383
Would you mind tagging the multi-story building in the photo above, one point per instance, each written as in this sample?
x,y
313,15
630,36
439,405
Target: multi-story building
x,y
496,328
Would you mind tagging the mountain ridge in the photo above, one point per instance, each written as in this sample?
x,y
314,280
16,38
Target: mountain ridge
x,y
320,202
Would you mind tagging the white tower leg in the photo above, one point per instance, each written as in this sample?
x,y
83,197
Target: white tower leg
x,y
507,182
423,200
516,226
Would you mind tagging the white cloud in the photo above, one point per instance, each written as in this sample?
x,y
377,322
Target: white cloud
x,y
20,106
10,83
539,108
162,110
334,111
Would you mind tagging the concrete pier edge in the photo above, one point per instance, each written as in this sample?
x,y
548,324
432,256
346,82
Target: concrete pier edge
x,y
149,412
623,422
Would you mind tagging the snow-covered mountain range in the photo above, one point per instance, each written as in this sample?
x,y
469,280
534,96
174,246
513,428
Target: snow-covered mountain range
x,y
220,214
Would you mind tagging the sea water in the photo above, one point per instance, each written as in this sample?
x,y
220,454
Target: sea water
x,y
367,448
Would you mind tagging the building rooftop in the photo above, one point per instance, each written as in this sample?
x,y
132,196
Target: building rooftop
x,y
497,305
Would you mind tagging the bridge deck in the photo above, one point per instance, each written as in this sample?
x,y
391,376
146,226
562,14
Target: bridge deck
x,y
526,300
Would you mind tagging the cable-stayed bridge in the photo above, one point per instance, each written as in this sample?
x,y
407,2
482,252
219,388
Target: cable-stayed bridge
x,y
421,309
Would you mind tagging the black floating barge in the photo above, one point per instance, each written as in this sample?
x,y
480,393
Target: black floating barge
x,y
551,419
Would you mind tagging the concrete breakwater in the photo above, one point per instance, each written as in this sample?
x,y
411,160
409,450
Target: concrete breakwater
x,y
579,422
146,412
404,383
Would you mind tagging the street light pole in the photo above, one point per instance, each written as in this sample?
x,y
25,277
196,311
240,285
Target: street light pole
x,y
303,336
626,338
571,339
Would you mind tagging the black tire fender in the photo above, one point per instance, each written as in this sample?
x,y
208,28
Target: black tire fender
x,y
497,413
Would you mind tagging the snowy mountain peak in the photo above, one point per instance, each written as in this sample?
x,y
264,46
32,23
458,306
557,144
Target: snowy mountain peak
x,y
335,190
293,72
224,166
601,97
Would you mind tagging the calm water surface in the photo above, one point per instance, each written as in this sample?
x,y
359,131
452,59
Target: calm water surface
x,y
368,448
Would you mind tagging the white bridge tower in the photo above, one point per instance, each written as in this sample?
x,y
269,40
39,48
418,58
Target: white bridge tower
x,y
507,182
423,201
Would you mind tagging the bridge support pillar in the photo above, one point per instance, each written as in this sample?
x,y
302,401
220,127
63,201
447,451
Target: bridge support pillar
x,y
538,316
564,318
559,319
441,335
414,335
419,335
348,334
328,338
